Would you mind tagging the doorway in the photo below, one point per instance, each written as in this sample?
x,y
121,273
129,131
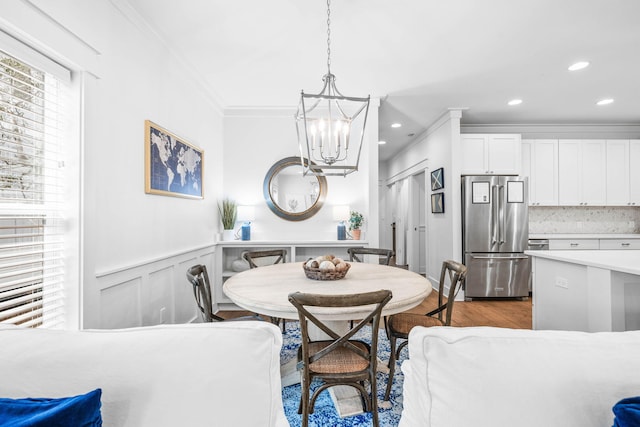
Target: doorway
x,y
416,230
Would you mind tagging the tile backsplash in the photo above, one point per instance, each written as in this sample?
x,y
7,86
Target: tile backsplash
x,y
583,219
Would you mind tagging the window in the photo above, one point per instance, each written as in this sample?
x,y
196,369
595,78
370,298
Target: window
x,y
32,186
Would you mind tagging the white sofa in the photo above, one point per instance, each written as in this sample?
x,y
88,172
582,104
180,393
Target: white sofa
x,y
461,377
223,374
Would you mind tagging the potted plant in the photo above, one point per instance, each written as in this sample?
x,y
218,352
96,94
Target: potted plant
x,y
355,222
228,211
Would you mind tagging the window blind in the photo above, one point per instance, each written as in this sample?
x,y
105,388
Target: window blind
x,y
31,195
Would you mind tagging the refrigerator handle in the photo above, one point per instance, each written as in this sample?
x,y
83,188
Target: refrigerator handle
x,y
494,215
501,214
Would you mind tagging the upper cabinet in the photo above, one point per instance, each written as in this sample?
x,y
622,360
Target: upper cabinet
x,y
540,164
582,172
486,154
623,175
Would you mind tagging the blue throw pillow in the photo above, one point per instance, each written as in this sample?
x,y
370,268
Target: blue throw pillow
x,y
77,411
627,412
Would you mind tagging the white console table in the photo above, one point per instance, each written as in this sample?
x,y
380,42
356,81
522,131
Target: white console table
x,y
588,290
229,251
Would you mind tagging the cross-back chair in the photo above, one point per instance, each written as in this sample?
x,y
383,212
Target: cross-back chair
x,y
357,254
199,279
338,360
399,325
277,256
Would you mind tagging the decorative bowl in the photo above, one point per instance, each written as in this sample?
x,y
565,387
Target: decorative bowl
x,y
316,274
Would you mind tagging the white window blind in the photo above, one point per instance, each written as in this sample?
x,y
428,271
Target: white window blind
x,y
31,195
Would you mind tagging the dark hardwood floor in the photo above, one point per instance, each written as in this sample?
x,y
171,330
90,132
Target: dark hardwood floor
x,y
504,313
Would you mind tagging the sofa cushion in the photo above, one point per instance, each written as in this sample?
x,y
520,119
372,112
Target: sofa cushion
x,y
80,411
193,375
497,377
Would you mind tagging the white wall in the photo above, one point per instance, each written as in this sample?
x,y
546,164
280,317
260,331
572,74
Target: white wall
x,y
439,147
134,247
255,139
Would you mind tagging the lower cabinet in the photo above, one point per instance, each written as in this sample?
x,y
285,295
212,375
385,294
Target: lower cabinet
x,y
228,259
594,244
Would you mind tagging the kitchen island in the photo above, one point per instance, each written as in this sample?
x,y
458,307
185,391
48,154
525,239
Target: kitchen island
x,y
588,290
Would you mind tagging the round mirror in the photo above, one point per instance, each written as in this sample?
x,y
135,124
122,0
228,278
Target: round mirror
x,y
289,194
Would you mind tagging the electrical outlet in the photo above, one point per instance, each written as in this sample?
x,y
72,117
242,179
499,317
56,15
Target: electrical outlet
x,y
561,282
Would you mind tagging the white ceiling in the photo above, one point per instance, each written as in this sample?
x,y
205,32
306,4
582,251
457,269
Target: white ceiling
x,y
420,56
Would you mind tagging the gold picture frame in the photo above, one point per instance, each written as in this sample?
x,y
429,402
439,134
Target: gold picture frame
x,y
173,167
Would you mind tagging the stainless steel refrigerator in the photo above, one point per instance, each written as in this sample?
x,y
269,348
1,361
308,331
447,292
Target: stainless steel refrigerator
x,y
495,228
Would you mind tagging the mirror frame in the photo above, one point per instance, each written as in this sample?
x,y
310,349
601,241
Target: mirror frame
x,y
292,216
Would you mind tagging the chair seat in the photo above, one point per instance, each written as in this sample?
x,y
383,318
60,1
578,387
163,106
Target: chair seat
x,y
339,361
403,323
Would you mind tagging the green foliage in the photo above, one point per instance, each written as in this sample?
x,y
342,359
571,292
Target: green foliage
x,y
228,210
356,220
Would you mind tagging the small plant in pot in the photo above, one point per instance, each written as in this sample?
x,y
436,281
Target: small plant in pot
x,y
355,222
228,211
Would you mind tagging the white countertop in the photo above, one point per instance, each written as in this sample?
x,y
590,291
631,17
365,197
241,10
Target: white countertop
x,y
625,261
584,236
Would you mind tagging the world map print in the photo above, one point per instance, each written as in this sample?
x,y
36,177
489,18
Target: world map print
x,y
174,166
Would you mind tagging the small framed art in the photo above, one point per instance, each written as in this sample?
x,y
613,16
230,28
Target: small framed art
x,y
437,179
173,167
437,203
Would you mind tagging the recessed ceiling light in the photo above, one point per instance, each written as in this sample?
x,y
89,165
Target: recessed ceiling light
x,y
578,66
382,142
396,125
605,101
515,102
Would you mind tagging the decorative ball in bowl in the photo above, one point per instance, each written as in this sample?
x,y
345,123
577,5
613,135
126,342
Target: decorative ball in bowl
x,y
325,267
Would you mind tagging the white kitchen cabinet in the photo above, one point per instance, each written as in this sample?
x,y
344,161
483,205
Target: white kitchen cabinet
x,y
487,154
573,244
623,175
540,164
617,172
634,172
582,172
624,244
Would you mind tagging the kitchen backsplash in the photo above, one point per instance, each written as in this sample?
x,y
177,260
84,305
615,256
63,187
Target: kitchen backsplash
x,y
582,219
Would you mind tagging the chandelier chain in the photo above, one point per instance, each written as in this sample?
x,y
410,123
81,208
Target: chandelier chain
x,y
329,36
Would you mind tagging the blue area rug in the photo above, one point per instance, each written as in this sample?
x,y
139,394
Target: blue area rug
x,y
325,413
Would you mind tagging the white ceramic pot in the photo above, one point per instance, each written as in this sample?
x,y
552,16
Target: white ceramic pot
x,y
229,235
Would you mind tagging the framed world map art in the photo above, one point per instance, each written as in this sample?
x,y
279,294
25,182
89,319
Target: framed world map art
x,y
173,167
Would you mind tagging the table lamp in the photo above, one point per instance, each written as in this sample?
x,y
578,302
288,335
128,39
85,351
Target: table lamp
x,y
341,213
246,214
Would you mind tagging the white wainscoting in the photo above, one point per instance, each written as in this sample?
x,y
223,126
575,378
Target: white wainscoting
x,y
151,292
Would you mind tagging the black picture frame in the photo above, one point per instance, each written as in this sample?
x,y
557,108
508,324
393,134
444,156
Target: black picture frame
x,y
437,179
437,203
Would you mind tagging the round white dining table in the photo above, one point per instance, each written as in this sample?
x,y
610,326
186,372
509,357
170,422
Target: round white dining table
x,y
265,290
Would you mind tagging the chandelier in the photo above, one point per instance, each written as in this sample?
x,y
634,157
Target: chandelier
x,y
330,126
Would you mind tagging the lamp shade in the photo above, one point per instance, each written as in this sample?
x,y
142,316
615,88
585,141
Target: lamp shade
x,y
246,213
340,212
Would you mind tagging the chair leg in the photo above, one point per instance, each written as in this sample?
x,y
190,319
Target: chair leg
x,y
374,399
392,365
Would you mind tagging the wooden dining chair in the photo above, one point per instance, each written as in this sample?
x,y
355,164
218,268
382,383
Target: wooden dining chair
x,y
199,279
399,325
339,360
276,256
357,254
